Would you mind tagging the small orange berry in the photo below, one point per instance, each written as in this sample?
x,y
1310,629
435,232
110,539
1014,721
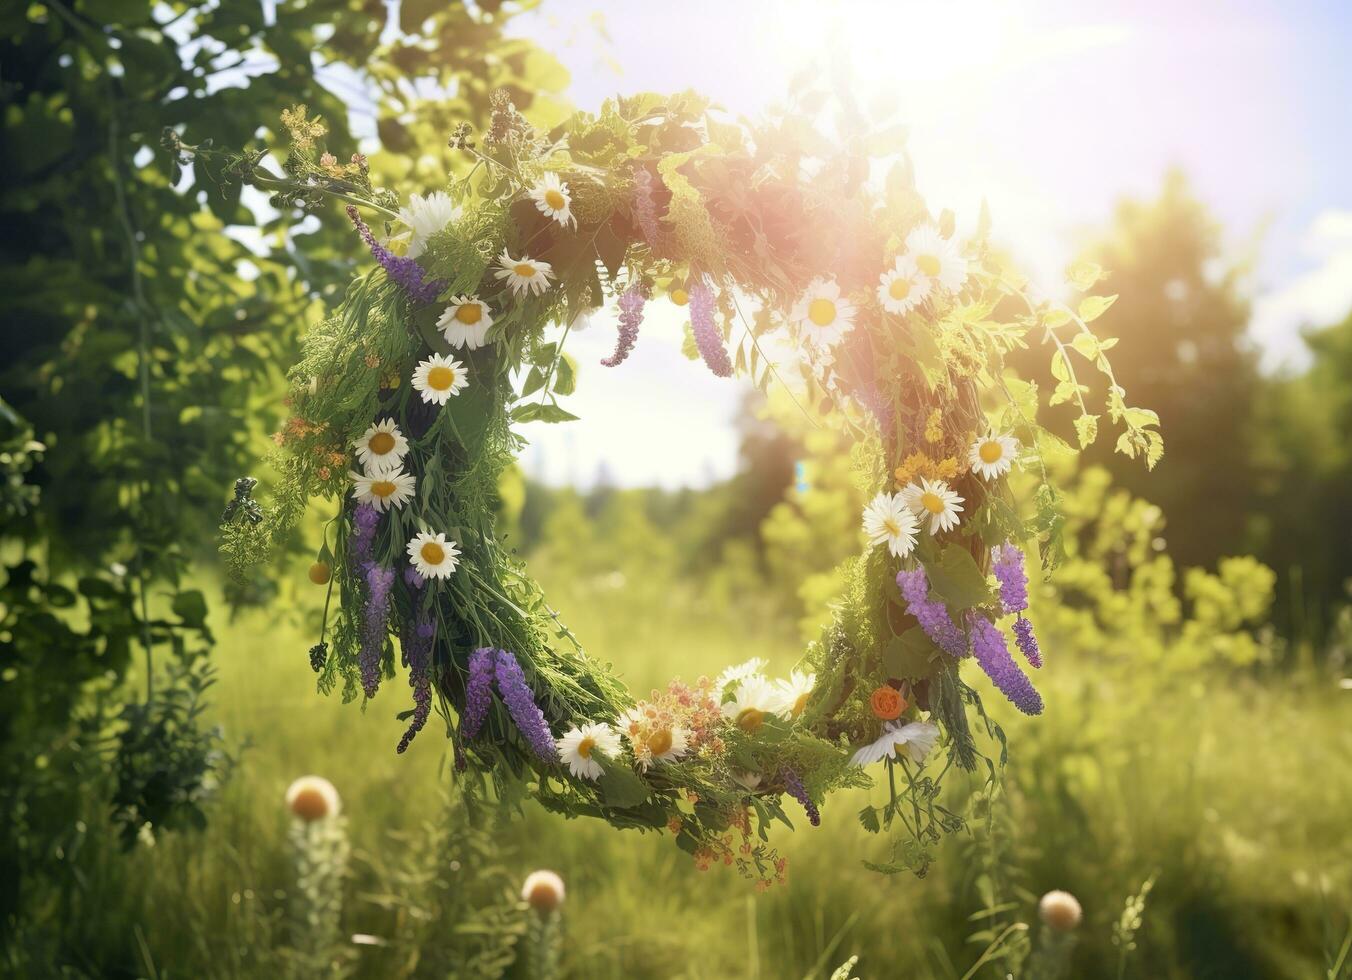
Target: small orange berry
x,y
319,572
887,703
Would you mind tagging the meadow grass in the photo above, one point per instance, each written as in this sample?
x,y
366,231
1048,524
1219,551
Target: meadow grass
x,y
1231,792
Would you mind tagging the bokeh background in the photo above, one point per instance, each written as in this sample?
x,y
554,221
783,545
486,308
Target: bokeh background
x,y
1191,779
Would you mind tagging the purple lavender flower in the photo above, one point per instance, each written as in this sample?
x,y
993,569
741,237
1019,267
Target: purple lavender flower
x,y
530,720
931,614
631,315
413,579
644,208
400,268
798,791
365,520
1027,642
378,582
418,650
707,338
1008,568
478,691
993,655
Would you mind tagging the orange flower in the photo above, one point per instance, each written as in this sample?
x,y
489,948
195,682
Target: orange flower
x,y
887,703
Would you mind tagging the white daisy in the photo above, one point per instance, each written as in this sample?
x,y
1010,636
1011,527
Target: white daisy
x,y
822,315
383,490
577,746
888,519
524,275
381,447
739,673
933,499
992,456
553,200
902,288
913,741
755,698
432,555
438,378
425,216
465,322
794,693
937,258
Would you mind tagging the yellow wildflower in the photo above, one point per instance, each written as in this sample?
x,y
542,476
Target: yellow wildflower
x,y
934,430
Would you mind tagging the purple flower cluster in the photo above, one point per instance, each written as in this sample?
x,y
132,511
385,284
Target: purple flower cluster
x,y
365,520
401,269
530,720
413,579
932,615
798,791
1008,568
418,650
707,338
478,690
1027,642
631,315
645,209
993,655
378,582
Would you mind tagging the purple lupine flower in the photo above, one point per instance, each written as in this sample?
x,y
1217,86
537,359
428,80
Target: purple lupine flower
x,y
1027,642
631,315
378,582
413,579
645,208
798,791
418,650
478,691
993,655
707,338
1008,567
400,268
530,720
931,614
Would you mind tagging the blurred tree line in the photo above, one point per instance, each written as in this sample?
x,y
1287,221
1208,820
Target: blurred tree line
x,y
150,313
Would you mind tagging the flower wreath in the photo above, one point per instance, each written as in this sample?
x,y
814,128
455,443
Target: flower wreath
x,y
406,400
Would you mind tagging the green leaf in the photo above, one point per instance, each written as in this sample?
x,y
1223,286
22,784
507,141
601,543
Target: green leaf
x,y
565,376
688,346
868,819
535,380
911,656
191,607
552,413
621,787
956,579
1086,429
1093,307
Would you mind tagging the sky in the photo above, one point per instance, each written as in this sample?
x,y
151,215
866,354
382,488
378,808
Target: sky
x,y
1049,110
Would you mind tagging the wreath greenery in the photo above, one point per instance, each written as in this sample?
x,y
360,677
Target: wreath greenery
x,y
434,358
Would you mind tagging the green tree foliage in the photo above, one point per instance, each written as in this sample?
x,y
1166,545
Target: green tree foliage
x,y
142,338
1181,319
1307,477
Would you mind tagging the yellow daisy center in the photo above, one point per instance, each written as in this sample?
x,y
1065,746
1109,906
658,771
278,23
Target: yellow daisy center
x,y
381,443
932,502
555,200
750,719
584,747
800,704
659,742
928,264
469,313
382,488
822,312
310,804
432,553
679,296
891,527
524,269
900,288
440,378
991,451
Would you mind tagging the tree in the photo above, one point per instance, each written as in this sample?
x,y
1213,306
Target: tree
x,y
138,334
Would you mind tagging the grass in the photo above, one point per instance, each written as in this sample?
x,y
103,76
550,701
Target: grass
x,y
1230,790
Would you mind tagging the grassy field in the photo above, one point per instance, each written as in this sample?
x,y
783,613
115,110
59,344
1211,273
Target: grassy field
x,y
1229,793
